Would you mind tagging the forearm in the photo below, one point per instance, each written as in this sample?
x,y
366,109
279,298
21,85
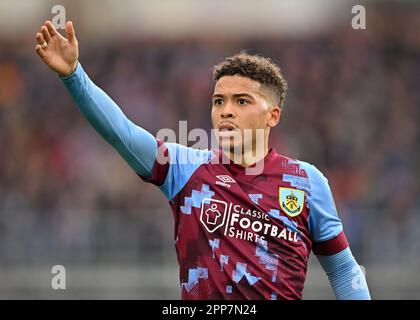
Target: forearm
x,y
346,278
136,145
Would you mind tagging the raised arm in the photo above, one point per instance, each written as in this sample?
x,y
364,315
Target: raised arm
x,y
135,145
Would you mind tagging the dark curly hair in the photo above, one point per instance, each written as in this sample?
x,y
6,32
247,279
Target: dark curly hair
x,y
260,69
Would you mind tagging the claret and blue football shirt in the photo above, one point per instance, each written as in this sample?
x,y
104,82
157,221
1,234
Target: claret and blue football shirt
x,y
240,236
237,236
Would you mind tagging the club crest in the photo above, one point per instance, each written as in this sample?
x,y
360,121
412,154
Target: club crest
x,y
291,201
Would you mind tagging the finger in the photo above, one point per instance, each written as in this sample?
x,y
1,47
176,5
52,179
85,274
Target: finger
x,y
71,35
40,51
45,34
51,30
39,38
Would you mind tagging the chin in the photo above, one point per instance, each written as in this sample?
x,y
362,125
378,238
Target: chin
x,y
230,145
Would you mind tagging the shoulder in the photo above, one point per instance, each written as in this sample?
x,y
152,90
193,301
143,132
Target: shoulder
x,y
318,186
312,172
295,171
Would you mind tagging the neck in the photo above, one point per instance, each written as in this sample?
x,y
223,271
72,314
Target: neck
x,y
247,157
251,152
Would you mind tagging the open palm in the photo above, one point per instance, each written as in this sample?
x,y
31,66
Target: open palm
x,y
57,52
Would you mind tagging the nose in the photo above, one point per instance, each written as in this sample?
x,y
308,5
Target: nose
x,y
227,111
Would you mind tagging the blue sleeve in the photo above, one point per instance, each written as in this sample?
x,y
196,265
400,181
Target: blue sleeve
x,y
324,223
345,275
137,146
183,162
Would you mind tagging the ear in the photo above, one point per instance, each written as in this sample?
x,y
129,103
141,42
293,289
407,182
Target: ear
x,y
274,116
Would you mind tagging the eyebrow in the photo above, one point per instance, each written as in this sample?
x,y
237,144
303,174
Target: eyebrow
x,y
236,95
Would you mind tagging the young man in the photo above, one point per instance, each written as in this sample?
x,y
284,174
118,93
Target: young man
x,y
237,235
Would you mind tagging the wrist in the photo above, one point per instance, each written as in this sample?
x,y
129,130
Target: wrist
x,y
72,69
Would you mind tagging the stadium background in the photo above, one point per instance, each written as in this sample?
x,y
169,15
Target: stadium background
x,y
66,198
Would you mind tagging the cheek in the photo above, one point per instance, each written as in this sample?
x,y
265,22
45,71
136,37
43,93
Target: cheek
x,y
214,116
255,119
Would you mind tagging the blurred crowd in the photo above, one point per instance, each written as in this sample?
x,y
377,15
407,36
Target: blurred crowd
x,y
352,109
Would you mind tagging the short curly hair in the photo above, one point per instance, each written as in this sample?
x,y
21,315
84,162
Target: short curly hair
x,y
260,69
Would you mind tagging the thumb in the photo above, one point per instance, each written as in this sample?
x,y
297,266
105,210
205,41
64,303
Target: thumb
x,y
71,36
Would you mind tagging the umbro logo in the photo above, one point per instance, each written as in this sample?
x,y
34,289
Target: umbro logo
x,y
225,180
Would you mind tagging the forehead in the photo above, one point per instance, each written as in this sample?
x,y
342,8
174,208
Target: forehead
x,y
236,84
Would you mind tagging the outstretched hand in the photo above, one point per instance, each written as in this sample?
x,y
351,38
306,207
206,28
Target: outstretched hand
x,y
57,52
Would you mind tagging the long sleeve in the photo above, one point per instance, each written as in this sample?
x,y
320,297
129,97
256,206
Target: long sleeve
x,y
137,146
345,275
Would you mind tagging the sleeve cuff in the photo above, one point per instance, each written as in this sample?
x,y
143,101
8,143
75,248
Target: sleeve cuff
x,y
71,75
331,246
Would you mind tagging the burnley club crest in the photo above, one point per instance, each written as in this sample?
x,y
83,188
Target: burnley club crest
x,y
291,201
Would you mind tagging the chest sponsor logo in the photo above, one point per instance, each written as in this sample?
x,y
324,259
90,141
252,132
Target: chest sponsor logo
x,y
213,214
241,223
291,201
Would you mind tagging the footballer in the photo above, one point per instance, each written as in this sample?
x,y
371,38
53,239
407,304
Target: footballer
x,y
237,235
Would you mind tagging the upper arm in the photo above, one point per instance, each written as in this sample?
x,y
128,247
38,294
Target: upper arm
x,y
174,166
138,148
324,225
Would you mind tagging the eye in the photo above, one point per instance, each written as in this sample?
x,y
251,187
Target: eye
x,y
217,102
242,102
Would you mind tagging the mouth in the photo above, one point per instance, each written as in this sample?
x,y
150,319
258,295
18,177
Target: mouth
x,y
224,127
227,129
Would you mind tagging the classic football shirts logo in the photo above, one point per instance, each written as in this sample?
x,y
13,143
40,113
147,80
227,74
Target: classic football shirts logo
x,y
238,222
213,214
